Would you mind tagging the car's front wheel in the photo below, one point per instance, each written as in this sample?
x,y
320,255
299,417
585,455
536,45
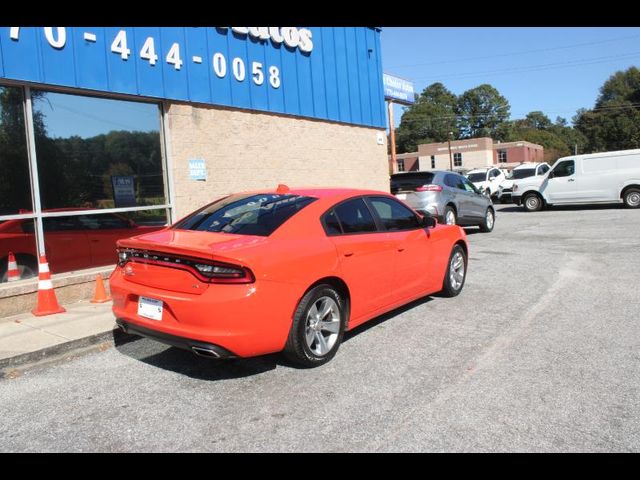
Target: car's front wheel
x,y
317,328
449,216
532,202
456,272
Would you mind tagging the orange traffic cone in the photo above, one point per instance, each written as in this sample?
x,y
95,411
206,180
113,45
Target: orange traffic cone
x,y
13,273
47,301
100,295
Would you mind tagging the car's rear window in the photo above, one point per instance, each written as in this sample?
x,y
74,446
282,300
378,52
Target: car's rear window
x,y
410,181
246,214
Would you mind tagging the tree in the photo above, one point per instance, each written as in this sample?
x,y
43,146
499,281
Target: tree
x,y
537,120
614,122
429,120
481,112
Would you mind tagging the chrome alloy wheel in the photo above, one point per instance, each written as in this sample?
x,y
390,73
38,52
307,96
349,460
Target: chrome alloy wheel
x,y
456,271
450,219
489,219
322,325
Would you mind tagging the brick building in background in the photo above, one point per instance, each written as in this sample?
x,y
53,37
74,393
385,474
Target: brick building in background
x,y
467,155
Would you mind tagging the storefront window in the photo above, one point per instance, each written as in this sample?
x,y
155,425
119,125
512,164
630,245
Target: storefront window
x,y
15,186
17,238
85,241
97,153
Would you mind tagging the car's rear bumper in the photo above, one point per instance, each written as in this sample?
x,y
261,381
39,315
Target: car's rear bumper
x,y
244,319
202,349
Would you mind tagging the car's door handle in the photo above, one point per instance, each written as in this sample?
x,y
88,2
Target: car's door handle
x,y
571,180
401,249
348,254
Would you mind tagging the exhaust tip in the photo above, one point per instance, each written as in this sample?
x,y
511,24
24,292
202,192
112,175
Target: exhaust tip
x,y
205,352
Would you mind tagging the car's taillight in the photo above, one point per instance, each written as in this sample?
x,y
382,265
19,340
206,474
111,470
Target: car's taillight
x,y
224,273
209,271
429,188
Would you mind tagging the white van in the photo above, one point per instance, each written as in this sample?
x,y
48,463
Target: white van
x,y
609,177
524,170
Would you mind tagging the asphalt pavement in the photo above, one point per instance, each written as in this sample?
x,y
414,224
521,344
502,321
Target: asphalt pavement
x,y
540,352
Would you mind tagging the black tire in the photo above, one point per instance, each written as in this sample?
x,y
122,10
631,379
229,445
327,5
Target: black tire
x,y
449,289
631,198
532,202
486,226
448,210
297,349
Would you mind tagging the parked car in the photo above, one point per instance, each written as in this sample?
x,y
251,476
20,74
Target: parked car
x,y
608,177
71,243
447,196
524,170
487,180
285,270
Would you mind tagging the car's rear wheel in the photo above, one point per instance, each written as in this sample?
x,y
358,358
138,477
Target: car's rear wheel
x,y
489,221
456,272
632,198
317,328
449,216
532,202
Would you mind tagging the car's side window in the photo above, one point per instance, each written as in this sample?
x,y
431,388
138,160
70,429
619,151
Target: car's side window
x,y
354,217
543,169
394,215
564,169
468,186
331,223
451,181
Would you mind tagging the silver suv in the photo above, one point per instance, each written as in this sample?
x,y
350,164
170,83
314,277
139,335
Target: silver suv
x,y
447,196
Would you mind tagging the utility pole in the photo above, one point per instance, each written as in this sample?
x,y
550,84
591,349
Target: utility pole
x,y
392,135
575,149
450,156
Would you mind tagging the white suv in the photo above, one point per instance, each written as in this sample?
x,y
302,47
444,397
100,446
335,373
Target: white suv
x,y
487,180
524,170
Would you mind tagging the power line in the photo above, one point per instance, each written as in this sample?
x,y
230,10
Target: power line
x,y
532,68
522,52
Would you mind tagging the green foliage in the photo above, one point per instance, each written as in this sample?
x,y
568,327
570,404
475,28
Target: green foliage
x,y
429,120
481,112
614,122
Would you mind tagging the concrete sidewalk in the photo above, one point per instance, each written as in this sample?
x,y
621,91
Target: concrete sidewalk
x,y
26,340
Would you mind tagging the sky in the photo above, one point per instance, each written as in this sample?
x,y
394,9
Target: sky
x,y
554,69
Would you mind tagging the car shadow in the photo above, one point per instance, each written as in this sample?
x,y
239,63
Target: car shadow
x,y
569,208
387,316
186,363
471,230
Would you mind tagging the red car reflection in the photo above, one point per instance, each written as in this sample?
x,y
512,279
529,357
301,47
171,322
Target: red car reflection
x,y
71,243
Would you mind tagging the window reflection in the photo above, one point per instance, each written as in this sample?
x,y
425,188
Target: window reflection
x,y
16,237
86,241
15,187
97,152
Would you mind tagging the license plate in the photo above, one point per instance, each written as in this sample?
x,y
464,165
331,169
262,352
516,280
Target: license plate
x,y
150,308
401,196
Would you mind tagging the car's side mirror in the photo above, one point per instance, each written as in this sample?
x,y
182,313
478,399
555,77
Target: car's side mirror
x,y
429,222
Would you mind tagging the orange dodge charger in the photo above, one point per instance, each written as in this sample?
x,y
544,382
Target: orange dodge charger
x,y
282,270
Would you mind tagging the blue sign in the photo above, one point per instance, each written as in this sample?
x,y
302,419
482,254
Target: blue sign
x,y
197,169
124,194
319,72
398,89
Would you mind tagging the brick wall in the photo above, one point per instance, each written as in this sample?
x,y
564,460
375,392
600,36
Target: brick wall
x,y
251,150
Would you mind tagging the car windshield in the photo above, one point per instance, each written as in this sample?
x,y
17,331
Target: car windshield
x,y
523,173
477,177
246,214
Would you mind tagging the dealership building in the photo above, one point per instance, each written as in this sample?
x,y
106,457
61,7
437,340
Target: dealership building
x,y
464,155
107,132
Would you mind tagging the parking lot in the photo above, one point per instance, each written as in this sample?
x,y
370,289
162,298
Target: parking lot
x,y
540,352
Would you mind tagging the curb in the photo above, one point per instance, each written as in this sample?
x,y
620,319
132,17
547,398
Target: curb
x,y
13,367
